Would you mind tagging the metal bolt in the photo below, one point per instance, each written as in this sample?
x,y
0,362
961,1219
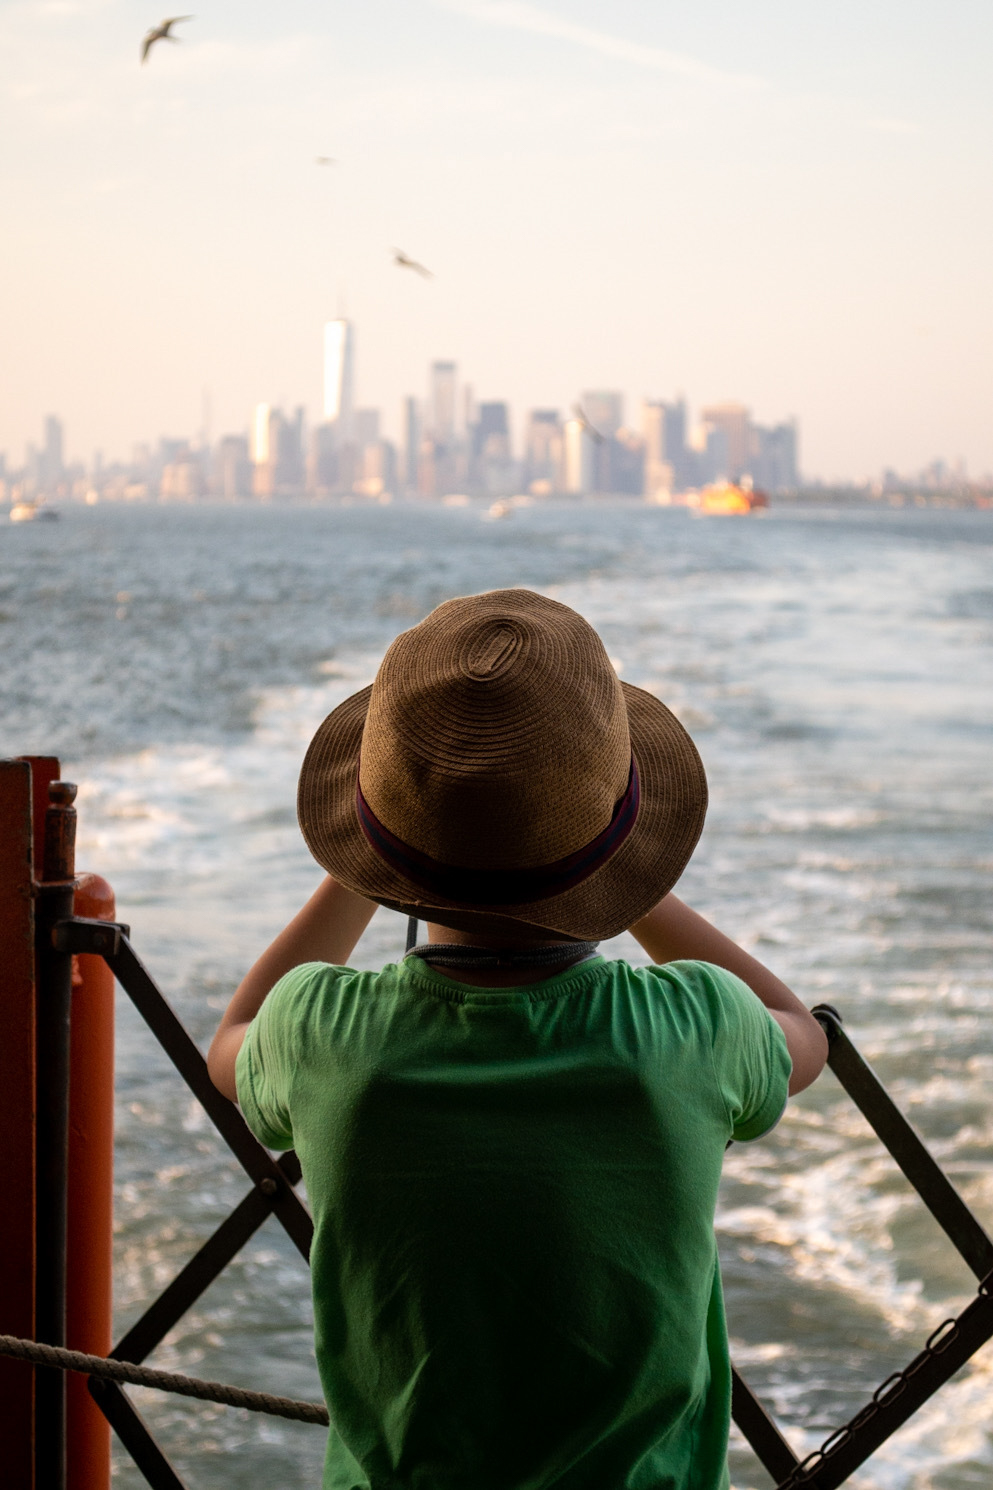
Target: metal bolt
x,y
268,1186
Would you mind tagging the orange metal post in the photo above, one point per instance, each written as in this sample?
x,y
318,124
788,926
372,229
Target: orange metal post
x,y
89,1300
17,1084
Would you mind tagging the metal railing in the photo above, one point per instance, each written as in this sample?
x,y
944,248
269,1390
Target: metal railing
x,y
948,1348
272,1190
272,1193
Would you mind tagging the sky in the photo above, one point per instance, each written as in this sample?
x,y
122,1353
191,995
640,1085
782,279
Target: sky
x,y
787,203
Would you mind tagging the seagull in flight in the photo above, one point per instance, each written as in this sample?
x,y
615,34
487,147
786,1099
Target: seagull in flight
x,y
402,261
162,32
580,414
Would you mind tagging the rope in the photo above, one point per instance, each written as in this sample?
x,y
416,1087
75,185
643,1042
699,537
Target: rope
x,y
163,1381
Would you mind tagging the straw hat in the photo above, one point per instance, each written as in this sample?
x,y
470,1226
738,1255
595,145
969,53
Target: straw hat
x,y
497,772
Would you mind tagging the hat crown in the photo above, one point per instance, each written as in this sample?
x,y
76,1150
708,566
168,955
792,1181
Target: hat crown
x,y
491,649
497,734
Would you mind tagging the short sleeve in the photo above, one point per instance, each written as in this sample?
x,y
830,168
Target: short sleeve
x,y
751,1060
266,1062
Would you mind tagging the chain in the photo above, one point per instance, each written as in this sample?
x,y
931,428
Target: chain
x,y
893,1387
163,1381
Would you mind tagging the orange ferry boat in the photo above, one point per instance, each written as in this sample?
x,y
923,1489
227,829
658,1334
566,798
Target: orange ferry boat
x,y
726,499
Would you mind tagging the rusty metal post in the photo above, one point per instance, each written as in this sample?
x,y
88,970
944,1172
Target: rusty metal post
x,y
17,1083
54,980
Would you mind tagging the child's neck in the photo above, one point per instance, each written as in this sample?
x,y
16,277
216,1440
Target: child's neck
x,y
510,977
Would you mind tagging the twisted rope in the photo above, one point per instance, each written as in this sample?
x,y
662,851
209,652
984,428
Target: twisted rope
x,y
163,1381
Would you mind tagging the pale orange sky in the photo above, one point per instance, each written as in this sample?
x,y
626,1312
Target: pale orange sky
x,y
788,205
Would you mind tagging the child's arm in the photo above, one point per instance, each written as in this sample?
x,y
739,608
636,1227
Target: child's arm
x,y
326,930
672,932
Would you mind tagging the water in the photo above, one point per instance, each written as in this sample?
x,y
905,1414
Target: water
x,y
836,670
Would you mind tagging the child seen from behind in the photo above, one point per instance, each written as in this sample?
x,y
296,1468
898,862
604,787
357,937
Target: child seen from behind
x,y
512,1146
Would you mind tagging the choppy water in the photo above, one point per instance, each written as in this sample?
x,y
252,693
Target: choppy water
x,y
836,670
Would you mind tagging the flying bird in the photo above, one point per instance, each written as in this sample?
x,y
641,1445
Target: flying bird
x,y
325,160
402,261
580,414
162,32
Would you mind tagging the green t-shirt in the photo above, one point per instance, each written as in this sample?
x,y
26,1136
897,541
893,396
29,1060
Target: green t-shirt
x,y
514,1268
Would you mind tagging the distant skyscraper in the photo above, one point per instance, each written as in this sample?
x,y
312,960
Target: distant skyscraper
x,y
675,438
365,427
717,463
733,423
774,457
658,470
265,442
261,453
491,432
322,465
786,441
663,427
543,449
625,464
443,402
339,376
182,477
231,476
51,466
578,458
286,444
492,469
411,442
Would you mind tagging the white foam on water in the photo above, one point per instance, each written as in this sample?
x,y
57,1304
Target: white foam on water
x,y
801,820
180,807
830,1223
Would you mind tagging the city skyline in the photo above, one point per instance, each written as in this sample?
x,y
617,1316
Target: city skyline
x,y
337,401
450,443
452,446
283,458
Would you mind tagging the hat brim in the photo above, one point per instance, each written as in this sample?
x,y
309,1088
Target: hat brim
x,y
619,893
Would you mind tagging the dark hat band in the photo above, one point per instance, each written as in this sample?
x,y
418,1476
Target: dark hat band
x,y
502,886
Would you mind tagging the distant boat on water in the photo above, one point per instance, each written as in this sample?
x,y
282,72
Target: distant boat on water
x,y
725,499
720,499
29,511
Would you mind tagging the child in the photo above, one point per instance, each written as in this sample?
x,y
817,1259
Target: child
x,y
511,1147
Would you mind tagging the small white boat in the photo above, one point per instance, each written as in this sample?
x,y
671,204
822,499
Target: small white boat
x,y
29,511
